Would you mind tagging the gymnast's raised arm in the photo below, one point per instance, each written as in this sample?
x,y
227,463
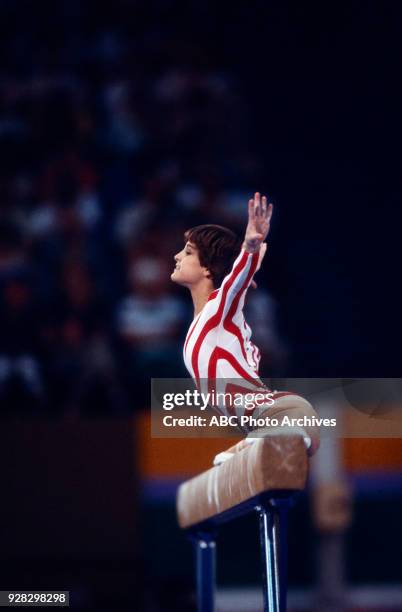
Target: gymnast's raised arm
x,y
236,283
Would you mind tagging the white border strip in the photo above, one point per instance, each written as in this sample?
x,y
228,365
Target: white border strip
x,y
388,597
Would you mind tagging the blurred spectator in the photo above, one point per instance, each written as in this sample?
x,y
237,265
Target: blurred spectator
x,y
123,132
149,323
21,380
261,316
79,350
12,254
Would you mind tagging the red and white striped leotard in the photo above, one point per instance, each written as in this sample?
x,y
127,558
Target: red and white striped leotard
x,y
218,344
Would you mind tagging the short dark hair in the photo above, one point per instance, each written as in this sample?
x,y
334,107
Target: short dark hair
x,y
217,248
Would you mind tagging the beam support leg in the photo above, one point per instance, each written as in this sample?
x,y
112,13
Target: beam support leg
x,y
206,563
273,538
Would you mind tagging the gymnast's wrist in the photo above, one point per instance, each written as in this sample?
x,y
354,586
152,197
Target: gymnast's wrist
x,y
250,249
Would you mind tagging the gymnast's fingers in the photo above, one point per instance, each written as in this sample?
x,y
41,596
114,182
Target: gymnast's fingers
x,y
257,204
269,212
264,206
251,212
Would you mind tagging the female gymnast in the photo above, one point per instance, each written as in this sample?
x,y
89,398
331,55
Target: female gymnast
x,y
218,270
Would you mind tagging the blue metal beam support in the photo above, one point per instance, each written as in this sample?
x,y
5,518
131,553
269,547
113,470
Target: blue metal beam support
x,y
206,564
273,512
273,539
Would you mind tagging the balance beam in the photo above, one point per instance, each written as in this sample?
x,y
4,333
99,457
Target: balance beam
x,y
264,477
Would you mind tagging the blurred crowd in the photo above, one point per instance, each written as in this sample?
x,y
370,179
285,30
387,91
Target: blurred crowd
x,y
113,142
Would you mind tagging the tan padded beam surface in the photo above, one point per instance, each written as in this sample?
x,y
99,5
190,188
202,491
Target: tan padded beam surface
x,y
271,463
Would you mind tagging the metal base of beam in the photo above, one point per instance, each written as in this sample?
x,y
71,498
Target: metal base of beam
x,y
273,539
205,547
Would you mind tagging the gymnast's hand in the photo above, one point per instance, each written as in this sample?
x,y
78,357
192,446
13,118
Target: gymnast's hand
x,y
259,218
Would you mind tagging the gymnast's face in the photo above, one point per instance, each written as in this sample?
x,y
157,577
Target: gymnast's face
x,y
188,270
